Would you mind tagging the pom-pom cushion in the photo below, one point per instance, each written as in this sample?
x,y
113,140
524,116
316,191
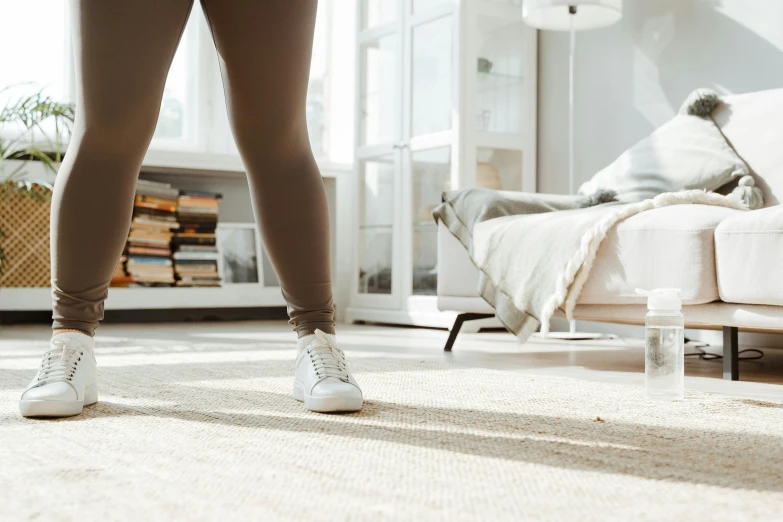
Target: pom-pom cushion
x,y
687,152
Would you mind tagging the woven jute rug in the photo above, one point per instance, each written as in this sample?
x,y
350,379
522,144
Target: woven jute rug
x,y
210,432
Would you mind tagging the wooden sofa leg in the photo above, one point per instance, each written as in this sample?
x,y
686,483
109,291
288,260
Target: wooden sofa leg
x,y
731,353
461,318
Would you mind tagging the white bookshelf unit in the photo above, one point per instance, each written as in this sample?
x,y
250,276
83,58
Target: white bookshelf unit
x,y
234,208
446,99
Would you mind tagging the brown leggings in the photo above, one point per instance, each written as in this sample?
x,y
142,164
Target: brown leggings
x,y
123,51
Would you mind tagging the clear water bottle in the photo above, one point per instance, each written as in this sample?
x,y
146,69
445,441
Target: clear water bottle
x,y
664,350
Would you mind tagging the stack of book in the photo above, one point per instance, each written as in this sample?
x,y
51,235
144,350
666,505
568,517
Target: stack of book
x,y
196,256
120,277
149,242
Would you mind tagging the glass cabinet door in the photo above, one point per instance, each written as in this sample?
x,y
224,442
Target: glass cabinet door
x,y
432,76
378,153
377,12
428,121
499,117
376,224
499,75
499,169
379,87
431,171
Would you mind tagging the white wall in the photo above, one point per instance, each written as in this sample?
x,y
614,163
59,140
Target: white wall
x,y
633,76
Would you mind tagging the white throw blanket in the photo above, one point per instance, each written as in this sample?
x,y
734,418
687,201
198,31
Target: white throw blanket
x,y
532,265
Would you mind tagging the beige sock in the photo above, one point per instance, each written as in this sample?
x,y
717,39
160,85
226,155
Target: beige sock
x,y
66,330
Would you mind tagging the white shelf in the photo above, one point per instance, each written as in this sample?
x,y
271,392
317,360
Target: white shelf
x,y
337,178
230,296
492,81
174,162
216,164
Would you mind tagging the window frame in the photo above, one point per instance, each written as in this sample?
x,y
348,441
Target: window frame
x,y
208,144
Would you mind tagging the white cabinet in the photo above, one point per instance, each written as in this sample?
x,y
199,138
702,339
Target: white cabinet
x,y
446,98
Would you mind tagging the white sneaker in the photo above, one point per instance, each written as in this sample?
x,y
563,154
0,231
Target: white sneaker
x,y
65,381
322,380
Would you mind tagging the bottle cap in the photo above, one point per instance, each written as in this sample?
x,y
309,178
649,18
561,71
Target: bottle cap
x,y
662,298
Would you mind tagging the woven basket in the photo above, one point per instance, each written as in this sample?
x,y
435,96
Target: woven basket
x,y
25,222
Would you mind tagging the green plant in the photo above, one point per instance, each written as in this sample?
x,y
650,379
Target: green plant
x,y
25,120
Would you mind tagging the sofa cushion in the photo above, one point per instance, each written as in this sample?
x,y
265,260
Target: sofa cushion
x,y
749,252
752,124
669,247
687,152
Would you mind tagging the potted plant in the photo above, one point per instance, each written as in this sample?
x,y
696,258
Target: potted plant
x,y
31,130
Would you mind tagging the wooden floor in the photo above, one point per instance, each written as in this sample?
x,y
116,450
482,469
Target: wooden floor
x,y
610,360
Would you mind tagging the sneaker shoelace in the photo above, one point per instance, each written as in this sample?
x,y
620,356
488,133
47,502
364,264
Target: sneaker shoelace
x,y
59,363
327,359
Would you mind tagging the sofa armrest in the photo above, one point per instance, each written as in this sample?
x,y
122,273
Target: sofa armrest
x,y
457,275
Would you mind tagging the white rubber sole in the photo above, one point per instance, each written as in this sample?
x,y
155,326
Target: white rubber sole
x,y
327,404
50,408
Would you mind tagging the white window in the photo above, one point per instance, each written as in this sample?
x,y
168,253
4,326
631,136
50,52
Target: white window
x,y
35,50
192,128
178,120
319,76
33,60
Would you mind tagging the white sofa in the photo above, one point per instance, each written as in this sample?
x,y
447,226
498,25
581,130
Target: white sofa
x,y
728,263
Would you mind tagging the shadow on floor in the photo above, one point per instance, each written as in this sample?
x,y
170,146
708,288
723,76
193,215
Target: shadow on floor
x,y
699,456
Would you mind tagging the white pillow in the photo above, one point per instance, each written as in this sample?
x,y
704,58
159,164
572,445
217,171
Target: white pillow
x,y
688,152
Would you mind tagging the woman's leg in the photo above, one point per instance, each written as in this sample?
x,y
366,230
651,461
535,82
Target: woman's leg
x,y
265,50
122,53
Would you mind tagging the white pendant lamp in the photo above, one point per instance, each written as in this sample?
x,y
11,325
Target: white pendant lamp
x,y
556,15
571,15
